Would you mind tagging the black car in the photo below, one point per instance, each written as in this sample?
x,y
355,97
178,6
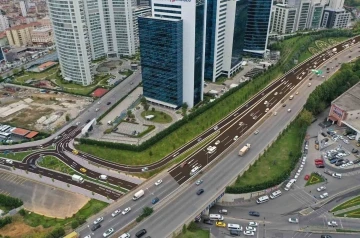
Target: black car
x,y
327,172
33,166
108,103
95,227
354,151
208,221
323,134
356,161
200,191
235,233
325,236
87,121
140,233
253,213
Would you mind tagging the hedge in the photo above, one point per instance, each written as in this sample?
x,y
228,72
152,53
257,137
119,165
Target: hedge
x,y
5,221
10,202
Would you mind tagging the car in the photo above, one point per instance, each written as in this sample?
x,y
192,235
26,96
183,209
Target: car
x,y
82,170
95,227
253,223
309,84
108,103
332,223
199,182
97,109
144,169
200,191
250,228
140,233
126,210
253,213
322,188
266,102
103,177
108,232
336,175
275,113
88,120
236,137
115,213
220,224
88,236
296,93
157,183
267,109
217,142
325,236
289,110
208,221
249,233
346,141
97,221
324,195
9,161
307,177
33,166
256,132
75,152
155,200
284,105
293,220
215,128
98,102
125,235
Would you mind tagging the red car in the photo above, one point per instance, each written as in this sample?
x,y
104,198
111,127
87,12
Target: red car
x,y
307,177
319,161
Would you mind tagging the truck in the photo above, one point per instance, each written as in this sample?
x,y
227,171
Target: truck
x,y
77,178
138,195
73,234
244,149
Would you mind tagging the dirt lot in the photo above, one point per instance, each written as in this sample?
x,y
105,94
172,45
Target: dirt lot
x,y
31,109
18,229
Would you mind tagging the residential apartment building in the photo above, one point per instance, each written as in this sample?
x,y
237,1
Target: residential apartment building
x,y
283,19
72,40
21,35
45,22
23,8
42,36
4,23
172,47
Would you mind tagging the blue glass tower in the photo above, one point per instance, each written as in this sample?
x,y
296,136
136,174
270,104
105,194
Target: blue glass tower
x,y
241,14
161,47
257,26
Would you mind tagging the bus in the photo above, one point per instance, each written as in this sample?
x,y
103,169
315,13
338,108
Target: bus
x,y
235,227
289,184
4,135
262,199
275,194
216,217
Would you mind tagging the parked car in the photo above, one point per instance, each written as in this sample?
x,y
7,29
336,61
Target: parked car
x,y
208,221
324,195
322,188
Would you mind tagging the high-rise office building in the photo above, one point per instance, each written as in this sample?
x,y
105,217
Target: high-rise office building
x,y
335,18
72,40
173,70
141,11
315,15
283,19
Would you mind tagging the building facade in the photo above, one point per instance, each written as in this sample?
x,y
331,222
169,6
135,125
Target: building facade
x,y
335,18
142,11
23,8
283,19
42,36
4,23
315,15
192,16
72,40
20,35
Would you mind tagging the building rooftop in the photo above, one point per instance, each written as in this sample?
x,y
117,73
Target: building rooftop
x,y
20,132
32,134
23,26
350,100
42,29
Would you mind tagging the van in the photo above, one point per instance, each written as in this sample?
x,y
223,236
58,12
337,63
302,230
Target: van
x,y
262,199
140,233
291,97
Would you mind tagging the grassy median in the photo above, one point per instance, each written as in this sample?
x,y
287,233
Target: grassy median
x,y
350,203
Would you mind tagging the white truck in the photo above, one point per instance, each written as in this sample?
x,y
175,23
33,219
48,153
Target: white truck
x,y
244,149
77,178
138,195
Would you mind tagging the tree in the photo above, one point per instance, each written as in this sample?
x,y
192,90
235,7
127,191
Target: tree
x,y
184,108
184,229
143,101
146,107
147,211
153,109
67,117
305,118
129,113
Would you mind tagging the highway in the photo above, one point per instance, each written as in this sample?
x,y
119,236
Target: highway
x,y
175,212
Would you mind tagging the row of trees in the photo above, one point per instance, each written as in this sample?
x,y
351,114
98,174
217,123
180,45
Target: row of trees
x,y
10,202
318,100
5,221
58,232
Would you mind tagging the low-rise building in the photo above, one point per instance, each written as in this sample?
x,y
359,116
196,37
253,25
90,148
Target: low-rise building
x,y
345,110
335,18
21,35
42,36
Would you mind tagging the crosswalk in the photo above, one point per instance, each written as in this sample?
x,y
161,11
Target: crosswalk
x,y
15,179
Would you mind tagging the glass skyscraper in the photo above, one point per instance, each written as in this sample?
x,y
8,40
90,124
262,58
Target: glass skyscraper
x,y
199,50
241,14
161,47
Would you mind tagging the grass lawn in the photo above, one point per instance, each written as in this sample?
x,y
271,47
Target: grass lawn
x,y
350,203
91,208
314,179
159,116
19,156
272,164
199,124
37,76
195,234
354,214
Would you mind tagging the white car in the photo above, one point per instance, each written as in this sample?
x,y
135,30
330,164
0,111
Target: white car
x,y
337,175
253,223
108,232
217,142
267,109
324,195
236,137
322,188
289,110
126,210
256,132
250,228
88,236
144,169
103,177
97,221
9,161
266,102
249,233
293,220
346,141
115,213
332,223
97,109
157,183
